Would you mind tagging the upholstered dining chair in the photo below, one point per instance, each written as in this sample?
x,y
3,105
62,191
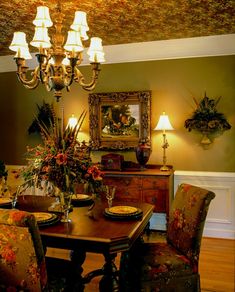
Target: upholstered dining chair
x,y
22,262
171,265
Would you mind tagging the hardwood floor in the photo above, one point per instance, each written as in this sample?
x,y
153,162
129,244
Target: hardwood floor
x,y
217,262
217,265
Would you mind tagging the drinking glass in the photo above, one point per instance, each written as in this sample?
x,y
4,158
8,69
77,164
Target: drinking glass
x,y
110,192
14,200
14,192
65,202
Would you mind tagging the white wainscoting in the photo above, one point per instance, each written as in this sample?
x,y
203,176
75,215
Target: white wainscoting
x,y
220,220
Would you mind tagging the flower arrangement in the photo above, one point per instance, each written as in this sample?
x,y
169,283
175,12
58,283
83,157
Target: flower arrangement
x,y
3,178
206,118
3,171
61,159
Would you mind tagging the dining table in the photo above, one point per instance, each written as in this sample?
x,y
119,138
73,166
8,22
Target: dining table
x,y
95,233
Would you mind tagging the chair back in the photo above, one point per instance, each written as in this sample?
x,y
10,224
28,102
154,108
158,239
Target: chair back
x,y
22,261
187,219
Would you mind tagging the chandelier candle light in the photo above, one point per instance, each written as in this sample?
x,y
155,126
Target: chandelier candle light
x,y
163,125
57,62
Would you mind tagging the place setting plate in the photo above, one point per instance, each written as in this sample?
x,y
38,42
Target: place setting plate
x,y
45,219
81,199
123,212
5,201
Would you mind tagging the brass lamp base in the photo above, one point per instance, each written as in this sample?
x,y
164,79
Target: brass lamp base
x,y
164,168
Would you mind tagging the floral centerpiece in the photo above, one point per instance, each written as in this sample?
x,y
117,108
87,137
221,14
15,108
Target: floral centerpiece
x,y
206,119
61,159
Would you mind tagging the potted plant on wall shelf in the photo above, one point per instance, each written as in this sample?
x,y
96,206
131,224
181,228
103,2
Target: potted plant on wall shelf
x,y
207,120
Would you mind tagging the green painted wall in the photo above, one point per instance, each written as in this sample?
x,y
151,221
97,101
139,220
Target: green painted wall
x,y
172,83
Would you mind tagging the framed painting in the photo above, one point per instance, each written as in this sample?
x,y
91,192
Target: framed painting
x,y
119,120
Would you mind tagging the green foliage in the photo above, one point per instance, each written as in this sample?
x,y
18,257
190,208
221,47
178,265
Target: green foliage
x,y
3,171
61,159
206,117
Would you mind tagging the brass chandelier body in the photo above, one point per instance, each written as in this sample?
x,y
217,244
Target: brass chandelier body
x,y
57,63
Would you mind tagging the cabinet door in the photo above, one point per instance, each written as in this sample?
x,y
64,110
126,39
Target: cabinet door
x,y
128,187
156,191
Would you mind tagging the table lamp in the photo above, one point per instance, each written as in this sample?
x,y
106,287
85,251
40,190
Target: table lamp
x,y
163,125
72,122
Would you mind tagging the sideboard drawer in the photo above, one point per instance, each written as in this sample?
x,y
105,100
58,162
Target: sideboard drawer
x,y
157,198
153,182
123,181
128,194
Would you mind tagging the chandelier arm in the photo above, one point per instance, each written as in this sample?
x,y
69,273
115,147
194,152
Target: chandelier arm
x,y
81,80
46,76
68,76
29,84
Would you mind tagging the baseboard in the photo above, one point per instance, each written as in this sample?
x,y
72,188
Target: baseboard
x,y
158,221
219,233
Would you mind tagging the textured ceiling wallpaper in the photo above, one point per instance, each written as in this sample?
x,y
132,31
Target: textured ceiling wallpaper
x,y
125,21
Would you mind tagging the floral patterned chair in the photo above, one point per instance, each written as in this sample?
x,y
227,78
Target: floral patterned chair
x,y
22,262
171,265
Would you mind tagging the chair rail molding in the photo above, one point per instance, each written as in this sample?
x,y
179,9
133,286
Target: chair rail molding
x,y
220,221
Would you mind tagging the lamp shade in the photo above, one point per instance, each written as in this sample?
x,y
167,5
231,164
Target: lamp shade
x,y
72,122
95,50
80,24
164,123
43,17
23,53
73,42
41,38
18,41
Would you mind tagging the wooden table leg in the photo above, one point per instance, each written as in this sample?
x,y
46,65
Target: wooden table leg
x,y
77,259
109,281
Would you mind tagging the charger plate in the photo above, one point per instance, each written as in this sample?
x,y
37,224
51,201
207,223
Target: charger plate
x,y
80,197
123,212
81,200
45,219
5,201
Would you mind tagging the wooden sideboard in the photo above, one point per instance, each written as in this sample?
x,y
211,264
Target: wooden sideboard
x,y
150,185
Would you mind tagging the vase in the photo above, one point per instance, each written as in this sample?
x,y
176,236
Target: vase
x,y
205,141
142,152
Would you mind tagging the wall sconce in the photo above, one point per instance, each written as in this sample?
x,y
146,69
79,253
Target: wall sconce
x,y
163,125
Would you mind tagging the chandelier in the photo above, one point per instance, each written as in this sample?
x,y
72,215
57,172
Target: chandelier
x,y
57,62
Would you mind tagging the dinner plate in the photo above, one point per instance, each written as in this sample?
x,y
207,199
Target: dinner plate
x,y
81,200
45,219
5,201
123,210
42,217
81,197
123,213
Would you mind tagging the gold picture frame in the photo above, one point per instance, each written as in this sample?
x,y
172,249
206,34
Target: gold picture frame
x,y
119,120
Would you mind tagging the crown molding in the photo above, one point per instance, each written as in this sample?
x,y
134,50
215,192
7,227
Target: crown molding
x,y
218,45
